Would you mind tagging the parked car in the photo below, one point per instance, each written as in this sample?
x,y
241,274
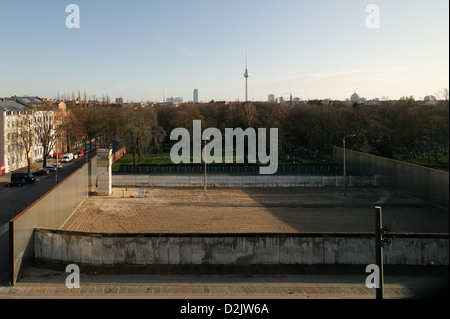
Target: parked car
x,y
59,166
80,153
41,172
17,182
29,178
67,157
50,168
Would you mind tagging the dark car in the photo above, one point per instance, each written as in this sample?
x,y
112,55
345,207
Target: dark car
x,y
29,178
50,168
17,182
41,172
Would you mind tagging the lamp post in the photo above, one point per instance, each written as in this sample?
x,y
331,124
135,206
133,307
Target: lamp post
x,y
204,160
345,175
56,171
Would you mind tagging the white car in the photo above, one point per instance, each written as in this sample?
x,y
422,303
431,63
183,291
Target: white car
x,y
67,158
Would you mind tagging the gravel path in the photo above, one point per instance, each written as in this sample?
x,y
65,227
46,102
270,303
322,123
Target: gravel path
x,y
251,210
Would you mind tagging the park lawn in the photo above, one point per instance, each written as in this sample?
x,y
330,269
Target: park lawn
x,y
148,159
155,159
442,165
164,159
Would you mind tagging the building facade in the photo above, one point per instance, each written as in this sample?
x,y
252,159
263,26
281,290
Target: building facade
x,y
22,121
195,96
15,121
174,100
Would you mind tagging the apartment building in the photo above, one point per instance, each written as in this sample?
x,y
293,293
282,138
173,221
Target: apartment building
x,y
23,122
13,118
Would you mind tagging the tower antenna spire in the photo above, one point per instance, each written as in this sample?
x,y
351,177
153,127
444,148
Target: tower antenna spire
x,y
246,76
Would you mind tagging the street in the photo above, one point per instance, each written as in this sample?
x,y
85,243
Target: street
x,y
15,199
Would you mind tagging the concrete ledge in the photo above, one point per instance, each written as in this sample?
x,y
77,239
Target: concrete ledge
x,y
183,180
236,249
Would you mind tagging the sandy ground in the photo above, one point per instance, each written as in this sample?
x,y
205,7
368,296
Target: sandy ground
x,y
188,210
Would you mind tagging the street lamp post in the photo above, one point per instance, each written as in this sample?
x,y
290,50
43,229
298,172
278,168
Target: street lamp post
x,y
345,175
56,171
204,160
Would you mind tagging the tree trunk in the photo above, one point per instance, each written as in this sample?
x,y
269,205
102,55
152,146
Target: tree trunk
x,y
436,156
68,142
29,164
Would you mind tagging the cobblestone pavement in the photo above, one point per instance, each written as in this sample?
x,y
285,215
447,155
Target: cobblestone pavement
x,y
250,282
202,291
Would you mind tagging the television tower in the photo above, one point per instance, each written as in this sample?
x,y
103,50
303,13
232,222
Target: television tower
x,y
246,77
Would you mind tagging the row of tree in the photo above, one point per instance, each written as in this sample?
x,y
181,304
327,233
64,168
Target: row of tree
x,y
34,129
385,129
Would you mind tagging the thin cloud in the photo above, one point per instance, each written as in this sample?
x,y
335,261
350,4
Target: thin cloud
x,y
356,73
164,42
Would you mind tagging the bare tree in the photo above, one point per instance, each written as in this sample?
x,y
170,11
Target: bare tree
x,y
45,132
250,113
26,137
139,130
443,97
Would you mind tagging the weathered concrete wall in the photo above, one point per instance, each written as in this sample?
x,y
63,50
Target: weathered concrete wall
x,y
184,180
111,249
93,180
429,184
104,176
52,210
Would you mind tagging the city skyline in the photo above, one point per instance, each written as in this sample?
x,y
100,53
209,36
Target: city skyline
x,y
312,51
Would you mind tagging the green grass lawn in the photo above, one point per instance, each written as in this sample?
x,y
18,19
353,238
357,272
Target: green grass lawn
x,y
148,159
164,159
442,165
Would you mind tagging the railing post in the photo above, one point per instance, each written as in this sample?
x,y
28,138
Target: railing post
x,y
379,244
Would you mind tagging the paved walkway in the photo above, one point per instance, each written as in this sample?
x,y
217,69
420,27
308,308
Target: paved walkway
x,y
220,282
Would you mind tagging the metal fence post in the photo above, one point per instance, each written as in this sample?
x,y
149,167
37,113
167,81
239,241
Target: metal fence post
x,y
379,251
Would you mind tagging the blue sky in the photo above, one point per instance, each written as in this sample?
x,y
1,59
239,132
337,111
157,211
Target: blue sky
x,y
140,49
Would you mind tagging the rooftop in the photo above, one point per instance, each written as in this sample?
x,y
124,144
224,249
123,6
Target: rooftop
x,y
11,106
25,100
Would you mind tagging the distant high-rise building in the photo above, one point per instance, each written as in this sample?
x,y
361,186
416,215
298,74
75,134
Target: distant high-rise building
x,y
174,100
271,98
195,96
